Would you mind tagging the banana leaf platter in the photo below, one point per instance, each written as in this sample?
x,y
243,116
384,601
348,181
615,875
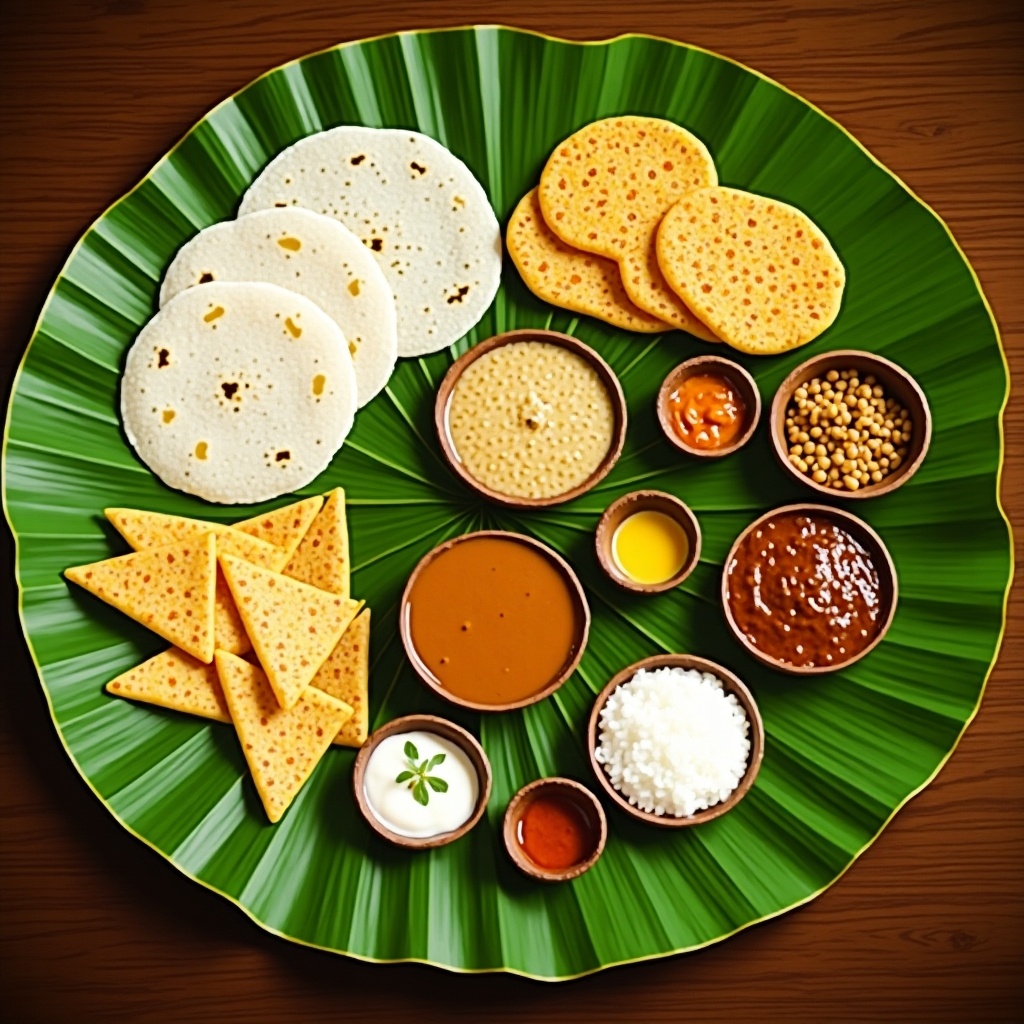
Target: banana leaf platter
x,y
843,753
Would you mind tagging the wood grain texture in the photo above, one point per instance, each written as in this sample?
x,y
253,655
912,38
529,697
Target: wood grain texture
x,y
928,925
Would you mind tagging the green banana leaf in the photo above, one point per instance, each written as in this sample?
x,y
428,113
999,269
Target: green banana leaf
x,y
843,752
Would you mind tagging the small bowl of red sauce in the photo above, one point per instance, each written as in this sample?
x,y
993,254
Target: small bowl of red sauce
x,y
709,406
554,829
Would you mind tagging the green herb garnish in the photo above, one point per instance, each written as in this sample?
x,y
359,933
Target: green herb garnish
x,y
417,775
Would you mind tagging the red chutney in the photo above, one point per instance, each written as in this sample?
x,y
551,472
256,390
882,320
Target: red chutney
x,y
805,591
556,832
707,411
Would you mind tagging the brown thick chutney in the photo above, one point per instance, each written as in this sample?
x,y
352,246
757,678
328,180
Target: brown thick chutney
x,y
805,591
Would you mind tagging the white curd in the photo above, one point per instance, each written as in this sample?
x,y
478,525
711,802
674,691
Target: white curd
x,y
394,803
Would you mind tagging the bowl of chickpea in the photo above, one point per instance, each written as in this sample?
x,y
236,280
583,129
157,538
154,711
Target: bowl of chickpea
x,y
850,424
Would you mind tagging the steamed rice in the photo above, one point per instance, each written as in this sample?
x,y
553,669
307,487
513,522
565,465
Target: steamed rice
x,y
673,742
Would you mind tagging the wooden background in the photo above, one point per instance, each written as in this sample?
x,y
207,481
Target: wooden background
x,y
95,927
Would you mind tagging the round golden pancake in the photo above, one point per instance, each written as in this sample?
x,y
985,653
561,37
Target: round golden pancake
x,y
605,190
569,277
760,273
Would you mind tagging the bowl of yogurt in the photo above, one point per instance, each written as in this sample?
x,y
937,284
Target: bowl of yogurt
x,y
421,781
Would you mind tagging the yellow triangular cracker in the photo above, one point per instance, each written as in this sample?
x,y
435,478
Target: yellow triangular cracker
x,y
293,626
151,529
322,558
346,675
284,527
281,747
177,681
168,589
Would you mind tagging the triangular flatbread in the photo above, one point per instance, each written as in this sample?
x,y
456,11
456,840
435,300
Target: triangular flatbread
x,y
151,529
168,589
322,558
293,627
177,681
284,527
346,675
281,747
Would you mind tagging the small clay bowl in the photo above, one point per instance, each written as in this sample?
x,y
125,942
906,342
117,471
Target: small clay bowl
x,y
733,685
582,616
604,372
639,501
570,790
722,367
897,383
879,556
449,731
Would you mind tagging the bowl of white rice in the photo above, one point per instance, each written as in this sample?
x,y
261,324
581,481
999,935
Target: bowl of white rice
x,y
675,740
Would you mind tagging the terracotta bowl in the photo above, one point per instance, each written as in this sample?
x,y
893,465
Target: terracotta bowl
x,y
879,555
720,366
639,501
570,790
732,685
604,372
582,616
449,731
898,384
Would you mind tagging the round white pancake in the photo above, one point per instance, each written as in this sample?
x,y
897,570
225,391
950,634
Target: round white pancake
x,y
307,253
418,209
221,399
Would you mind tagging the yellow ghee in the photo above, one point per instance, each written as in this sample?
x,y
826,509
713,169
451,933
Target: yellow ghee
x,y
650,547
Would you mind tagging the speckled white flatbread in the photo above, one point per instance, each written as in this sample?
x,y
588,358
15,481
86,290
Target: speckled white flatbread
x,y
415,205
307,253
238,392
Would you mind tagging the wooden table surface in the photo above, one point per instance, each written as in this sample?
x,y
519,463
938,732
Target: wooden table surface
x,y
927,925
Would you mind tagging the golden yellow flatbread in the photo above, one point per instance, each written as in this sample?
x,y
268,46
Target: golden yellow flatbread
x,y
293,626
346,675
168,589
571,278
759,272
322,558
605,190
284,527
152,529
281,747
177,681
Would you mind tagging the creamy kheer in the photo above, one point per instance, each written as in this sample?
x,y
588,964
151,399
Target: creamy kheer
x,y
531,419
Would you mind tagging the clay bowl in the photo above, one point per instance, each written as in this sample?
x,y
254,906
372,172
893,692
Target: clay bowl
x,y
732,685
638,501
604,372
720,366
898,384
449,731
582,616
879,556
568,789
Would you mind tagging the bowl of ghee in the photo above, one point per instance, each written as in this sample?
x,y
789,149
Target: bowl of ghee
x,y
709,406
648,541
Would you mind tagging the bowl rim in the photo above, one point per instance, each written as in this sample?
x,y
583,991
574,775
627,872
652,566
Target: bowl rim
x,y
447,730
577,593
581,794
442,403
847,519
808,368
644,499
732,684
690,367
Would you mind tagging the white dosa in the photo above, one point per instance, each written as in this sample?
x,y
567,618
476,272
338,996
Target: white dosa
x,y
415,205
238,392
307,253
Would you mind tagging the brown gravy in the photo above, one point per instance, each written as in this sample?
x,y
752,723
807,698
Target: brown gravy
x,y
493,620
